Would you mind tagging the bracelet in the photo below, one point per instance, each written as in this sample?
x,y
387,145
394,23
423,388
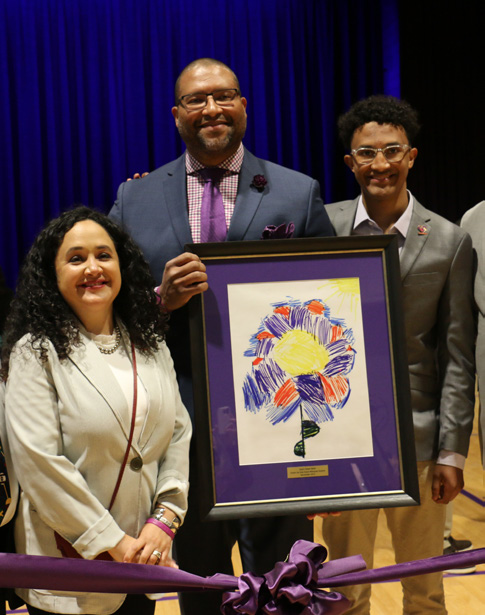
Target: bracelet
x,y
159,514
162,526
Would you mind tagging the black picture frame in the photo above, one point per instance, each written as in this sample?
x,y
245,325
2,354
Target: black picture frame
x,y
232,489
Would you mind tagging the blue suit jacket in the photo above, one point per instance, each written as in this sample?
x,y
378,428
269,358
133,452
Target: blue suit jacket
x,y
154,211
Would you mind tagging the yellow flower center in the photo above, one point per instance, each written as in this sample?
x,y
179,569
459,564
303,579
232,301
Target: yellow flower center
x,y
299,352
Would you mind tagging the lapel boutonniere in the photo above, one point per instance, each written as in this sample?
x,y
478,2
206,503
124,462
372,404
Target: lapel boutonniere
x,y
259,182
422,230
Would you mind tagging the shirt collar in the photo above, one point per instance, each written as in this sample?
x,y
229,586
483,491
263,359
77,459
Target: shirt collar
x,y
233,163
401,225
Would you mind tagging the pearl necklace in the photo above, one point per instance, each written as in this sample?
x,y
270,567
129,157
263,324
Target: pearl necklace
x,y
114,348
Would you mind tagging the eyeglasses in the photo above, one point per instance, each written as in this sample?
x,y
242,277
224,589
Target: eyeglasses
x,y
222,98
392,153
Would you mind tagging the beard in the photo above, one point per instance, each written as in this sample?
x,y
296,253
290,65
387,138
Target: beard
x,y
216,144
199,143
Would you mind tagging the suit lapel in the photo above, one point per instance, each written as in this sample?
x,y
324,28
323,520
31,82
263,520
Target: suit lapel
x,y
175,195
147,370
416,238
91,364
343,216
248,198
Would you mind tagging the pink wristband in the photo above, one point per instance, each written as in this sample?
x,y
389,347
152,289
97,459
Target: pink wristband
x,y
157,291
162,526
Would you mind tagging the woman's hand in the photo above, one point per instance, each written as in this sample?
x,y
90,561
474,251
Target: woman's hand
x,y
151,539
118,552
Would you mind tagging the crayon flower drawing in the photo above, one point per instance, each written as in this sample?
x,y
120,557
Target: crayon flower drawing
x,y
302,362
299,371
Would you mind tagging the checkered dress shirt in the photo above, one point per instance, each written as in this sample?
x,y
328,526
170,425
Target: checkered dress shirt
x,y
228,187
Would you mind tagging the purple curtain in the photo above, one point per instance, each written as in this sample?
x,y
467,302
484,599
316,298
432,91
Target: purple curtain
x,y
86,88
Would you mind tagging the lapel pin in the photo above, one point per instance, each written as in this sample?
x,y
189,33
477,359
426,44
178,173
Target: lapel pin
x,y
259,182
422,230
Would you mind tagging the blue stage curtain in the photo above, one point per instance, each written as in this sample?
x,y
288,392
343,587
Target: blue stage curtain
x,y
86,88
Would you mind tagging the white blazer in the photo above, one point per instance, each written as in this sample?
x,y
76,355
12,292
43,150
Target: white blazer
x,y
68,426
14,488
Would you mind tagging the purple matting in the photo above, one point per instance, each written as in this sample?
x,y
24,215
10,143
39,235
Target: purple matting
x,y
380,473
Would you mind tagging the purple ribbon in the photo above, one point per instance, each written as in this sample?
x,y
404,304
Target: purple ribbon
x,y
81,575
411,569
292,587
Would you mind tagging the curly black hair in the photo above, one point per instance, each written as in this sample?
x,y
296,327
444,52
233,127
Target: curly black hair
x,y
38,307
381,109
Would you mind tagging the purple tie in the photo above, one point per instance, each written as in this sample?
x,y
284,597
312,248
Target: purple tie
x,y
212,217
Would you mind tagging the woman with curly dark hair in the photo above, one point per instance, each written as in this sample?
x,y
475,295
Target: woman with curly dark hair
x,y
97,431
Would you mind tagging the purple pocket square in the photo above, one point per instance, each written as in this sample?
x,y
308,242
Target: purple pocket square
x,y
283,231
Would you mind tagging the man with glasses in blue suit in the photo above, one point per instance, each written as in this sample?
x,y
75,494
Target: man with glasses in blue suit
x,y
167,209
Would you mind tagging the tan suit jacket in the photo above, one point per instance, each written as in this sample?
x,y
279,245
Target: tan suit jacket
x,y
68,427
436,275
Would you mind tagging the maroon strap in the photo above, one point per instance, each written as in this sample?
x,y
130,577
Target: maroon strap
x,y
67,550
132,428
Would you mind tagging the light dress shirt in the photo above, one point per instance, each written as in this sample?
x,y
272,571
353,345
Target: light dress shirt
x,y
364,225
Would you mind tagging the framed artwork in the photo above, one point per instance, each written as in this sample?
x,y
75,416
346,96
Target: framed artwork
x,y
301,385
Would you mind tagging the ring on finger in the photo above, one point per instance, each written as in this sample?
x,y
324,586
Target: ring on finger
x,y
157,554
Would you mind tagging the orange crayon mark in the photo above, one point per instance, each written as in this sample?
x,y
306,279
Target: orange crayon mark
x,y
335,388
283,309
337,333
315,307
264,335
285,394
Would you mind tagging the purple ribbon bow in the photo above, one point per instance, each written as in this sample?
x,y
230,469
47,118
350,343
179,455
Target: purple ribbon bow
x,y
292,587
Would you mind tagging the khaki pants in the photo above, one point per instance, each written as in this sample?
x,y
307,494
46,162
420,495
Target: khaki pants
x,y
417,533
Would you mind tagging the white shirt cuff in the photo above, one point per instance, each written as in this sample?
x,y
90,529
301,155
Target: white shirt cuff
x,y
449,458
